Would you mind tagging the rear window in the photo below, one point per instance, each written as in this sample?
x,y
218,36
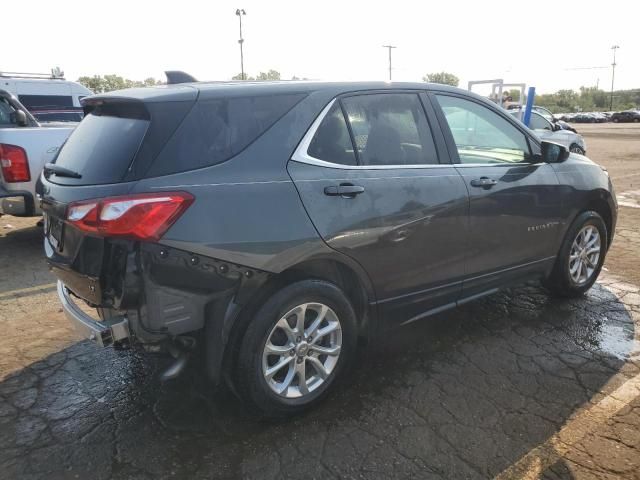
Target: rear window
x,y
39,102
216,130
107,140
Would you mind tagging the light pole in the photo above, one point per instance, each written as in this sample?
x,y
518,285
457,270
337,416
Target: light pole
x,y
613,75
389,47
240,12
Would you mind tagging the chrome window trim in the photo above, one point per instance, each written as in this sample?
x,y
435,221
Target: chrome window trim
x,y
301,155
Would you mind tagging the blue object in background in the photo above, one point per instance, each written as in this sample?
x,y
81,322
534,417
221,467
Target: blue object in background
x,y
527,110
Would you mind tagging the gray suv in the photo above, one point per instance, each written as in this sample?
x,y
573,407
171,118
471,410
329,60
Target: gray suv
x,y
275,224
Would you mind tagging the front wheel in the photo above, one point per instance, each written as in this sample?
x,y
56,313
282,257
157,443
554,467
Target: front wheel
x,y
575,148
295,348
581,256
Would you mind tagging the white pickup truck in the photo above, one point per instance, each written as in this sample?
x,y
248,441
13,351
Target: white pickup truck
x,y
25,146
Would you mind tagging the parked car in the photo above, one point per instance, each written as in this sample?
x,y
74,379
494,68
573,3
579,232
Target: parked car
x,y
627,116
276,223
25,146
553,132
583,118
50,98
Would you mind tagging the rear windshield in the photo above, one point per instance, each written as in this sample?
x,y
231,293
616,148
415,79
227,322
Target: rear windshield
x,y
216,130
106,141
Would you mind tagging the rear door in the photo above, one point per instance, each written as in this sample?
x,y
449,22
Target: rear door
x,y
514,199
378,186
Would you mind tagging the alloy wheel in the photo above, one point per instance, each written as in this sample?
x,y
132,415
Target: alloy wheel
x,y
302,350
584,254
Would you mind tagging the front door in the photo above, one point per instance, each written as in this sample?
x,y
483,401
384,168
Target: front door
x,y
514,202
376,191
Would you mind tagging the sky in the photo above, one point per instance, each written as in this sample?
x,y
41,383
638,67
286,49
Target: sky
x,y
547,44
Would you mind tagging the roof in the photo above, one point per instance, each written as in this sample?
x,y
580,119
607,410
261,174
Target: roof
x,y
189,91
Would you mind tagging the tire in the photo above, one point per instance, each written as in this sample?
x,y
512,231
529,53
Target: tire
x,y
567,278
575,148
615,120
635,120
281,391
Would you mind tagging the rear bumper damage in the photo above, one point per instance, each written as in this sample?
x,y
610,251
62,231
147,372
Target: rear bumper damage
x,y
107,333
156,296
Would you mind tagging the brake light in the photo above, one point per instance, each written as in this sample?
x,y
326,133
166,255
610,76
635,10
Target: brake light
x,y
14,163
144,217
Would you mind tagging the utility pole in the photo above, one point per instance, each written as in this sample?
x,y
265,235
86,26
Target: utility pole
x,y
240,12
613,75
389,47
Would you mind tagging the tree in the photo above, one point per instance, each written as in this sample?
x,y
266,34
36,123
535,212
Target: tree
x,y
108,83
239,77
443,78
270,75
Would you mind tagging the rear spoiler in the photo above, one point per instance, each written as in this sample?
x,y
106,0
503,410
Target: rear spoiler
x,y
178,76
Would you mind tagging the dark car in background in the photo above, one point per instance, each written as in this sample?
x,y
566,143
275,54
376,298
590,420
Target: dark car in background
x,y
627,116
275,224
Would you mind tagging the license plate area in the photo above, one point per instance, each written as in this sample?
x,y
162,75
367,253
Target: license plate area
x,y
54,230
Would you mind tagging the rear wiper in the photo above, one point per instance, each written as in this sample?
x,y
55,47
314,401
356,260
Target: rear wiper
x,y
60,171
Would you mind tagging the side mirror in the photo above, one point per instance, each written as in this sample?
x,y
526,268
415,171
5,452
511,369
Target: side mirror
x,y
553,152
21,118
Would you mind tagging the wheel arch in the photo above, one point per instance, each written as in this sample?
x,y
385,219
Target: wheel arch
x,y
600,204
343,272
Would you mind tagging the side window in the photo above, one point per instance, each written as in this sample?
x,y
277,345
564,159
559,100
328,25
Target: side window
x,y
538,122
390,129
216,130
7,113
481,135
331,142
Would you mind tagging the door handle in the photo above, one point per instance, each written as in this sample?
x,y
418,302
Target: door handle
x,y
346,190
484,182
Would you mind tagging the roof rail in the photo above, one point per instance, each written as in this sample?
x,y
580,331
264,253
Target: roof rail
x,y
56,74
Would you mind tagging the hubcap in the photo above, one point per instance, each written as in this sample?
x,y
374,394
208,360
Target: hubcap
x,y
302,350
584,255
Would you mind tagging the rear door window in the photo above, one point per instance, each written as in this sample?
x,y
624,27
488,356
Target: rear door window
x,y
216,130
103,145
390,129
331,142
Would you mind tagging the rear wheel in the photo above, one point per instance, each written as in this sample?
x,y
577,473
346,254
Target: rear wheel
x,y
295,347
581,256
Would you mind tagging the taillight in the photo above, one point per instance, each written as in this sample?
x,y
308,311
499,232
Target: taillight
x,y
14,163
145,216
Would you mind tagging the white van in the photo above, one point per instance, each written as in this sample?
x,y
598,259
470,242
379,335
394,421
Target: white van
x,y
49,98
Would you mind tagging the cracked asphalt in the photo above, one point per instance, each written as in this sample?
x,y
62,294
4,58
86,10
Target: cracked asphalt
x,y
517,385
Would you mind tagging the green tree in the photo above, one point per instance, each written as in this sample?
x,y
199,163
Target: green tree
x,y
239,77
108,83
443,78
270,75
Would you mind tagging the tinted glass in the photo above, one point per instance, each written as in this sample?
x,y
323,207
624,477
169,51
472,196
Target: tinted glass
x,y
481,135
331,142
538,122
59,116
35,102
7,113
390,129
216,130
101,148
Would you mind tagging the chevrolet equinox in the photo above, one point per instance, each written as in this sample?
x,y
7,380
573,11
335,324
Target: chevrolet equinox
x,y
272,225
